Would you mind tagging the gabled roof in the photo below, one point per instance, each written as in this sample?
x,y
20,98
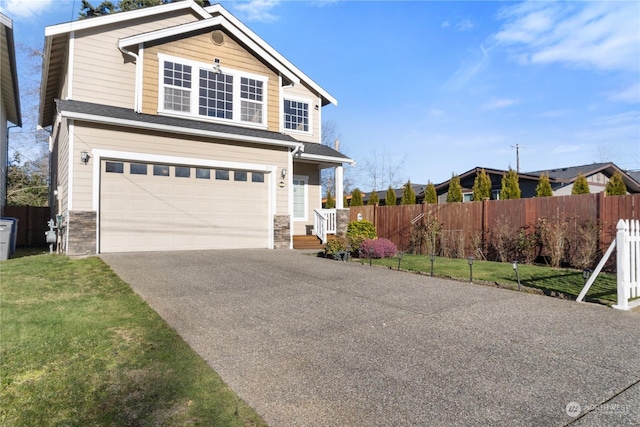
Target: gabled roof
x,y
57,36
569,174
8,72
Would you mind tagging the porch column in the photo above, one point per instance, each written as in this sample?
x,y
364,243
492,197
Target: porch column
x,y
339,181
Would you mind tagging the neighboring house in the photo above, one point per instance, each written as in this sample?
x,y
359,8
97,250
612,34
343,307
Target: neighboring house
x,y
175,127
10,99
561,180
527,181
382,195
597,175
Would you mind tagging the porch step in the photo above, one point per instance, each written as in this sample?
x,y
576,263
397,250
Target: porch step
x,y
307,242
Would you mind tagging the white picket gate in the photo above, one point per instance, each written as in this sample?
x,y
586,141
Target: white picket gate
x,y
628,264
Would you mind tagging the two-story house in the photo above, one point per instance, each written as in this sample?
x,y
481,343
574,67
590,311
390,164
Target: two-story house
x,y
176,127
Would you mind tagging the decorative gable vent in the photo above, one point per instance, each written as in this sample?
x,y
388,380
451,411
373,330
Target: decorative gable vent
x,y
217,37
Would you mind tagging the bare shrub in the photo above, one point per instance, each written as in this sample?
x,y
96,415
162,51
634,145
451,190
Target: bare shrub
x,y
553,235
476,242
424,236
584,245
502,239
527,244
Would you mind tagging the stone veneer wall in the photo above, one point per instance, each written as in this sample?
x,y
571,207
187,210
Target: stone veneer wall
x,y
281,232
342,221
82,233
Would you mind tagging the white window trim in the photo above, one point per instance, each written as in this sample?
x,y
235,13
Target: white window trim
x,y
305,179
309,102
195,88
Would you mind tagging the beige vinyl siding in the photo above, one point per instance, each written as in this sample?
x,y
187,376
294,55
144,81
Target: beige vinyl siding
x,y
91,136
314,200
301,91
62,165
200,48
103,74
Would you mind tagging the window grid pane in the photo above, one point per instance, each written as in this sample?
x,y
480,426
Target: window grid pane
x,y
251,112
177,74
296,115
216,95
177,99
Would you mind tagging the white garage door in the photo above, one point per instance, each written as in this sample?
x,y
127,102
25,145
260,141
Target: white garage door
x,y
160,207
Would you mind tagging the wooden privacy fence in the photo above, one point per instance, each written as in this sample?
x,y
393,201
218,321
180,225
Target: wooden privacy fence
x,y
32,224
474,226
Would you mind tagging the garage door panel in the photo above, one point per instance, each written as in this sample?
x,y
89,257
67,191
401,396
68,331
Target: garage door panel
x,y
154,213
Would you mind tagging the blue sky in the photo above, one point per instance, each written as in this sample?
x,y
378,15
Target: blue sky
x,y
442,87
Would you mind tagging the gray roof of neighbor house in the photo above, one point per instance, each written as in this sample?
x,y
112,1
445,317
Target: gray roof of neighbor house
x,y
10,93
635,175
382,194
120,116
569,174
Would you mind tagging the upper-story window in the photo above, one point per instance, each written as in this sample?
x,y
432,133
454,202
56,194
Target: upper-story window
x,y
296,115
205,91
177,86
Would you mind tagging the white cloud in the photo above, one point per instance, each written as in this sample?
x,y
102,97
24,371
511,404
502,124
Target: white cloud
x,y
465,25
445,24
256,10
495,104
553,113
16,9
468,70
629,95
563,149
599,35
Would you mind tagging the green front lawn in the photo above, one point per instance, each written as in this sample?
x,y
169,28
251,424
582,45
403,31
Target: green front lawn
x,y
547,279
79,348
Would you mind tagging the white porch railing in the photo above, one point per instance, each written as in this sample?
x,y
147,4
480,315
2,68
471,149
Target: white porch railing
x,y
628,263
627,243
324,223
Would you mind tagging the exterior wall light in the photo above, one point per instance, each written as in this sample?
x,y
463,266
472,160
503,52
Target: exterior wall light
x,y
84,157
283,173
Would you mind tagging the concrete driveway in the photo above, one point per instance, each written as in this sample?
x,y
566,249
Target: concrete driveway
x,y
312,342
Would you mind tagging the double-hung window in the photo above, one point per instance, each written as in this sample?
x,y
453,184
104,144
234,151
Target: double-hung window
x,y
177,86
296,115
202,90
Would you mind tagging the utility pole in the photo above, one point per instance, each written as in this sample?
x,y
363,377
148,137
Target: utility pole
x,y
517,147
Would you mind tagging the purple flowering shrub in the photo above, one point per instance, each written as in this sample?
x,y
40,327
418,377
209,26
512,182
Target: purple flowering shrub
x,y
377,248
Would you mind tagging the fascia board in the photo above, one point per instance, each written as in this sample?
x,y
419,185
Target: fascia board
x,y
124,16
198,25
176,129
284,61
328,159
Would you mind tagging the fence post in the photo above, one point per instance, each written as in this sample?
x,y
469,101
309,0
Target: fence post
x,y
622,264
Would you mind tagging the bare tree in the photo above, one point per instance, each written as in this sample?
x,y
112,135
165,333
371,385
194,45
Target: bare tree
x,y
29,168
381,171
331,138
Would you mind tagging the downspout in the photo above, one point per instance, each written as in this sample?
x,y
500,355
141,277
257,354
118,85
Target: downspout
x,y
297,149
136,106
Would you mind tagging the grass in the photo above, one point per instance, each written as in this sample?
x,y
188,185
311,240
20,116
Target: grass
x,y
548,280
79,348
